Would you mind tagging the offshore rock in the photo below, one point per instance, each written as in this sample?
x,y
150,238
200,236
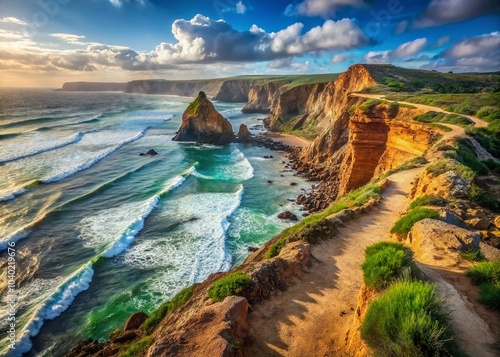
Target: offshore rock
x,y
202,123
244,135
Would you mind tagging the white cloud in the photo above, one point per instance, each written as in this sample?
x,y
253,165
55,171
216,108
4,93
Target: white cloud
x,y
443,41
479,53
404,50
119,3
439,12
13,20
339,58
69,38
241,8
324,8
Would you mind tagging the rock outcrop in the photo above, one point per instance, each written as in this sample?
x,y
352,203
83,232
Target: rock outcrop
x,y
244,135
264,96
202,123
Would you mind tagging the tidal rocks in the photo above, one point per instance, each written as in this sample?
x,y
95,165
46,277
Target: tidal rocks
x,y
244,135
152,152
202,123
288,215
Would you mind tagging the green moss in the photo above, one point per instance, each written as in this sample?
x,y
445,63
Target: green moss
x,y
167,307
137,349
405,223
408,320
194,105
386,262
231,284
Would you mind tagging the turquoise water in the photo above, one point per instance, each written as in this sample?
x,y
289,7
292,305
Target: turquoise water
x,y
102,232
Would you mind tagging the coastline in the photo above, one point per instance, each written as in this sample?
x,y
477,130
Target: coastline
x,y
288,139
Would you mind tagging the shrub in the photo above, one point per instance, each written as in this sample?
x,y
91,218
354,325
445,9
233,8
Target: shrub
x,y
369,104
393,110
473,255
467,156
443,166
167,307
385,262
485,272
136,349
408,320
429,200
487,275
231,284
405,223
482,198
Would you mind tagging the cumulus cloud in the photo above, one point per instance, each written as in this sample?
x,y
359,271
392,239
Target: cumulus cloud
x,y
200,40
440,12
404,50
479,53
323,8
13,20
339,58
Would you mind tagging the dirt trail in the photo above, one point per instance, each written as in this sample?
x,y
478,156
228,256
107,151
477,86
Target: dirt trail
x,y
312,317
477,122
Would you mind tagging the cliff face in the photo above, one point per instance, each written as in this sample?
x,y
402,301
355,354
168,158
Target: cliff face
x,y
202,123
264,96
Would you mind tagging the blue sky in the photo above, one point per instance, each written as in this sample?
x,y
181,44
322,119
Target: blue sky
x,y
47,42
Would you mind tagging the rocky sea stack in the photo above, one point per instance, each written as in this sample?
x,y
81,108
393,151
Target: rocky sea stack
x,y
202,123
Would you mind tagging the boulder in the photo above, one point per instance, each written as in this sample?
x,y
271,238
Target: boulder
x,y
135,321
452,218
439,244
479,224
496,222
202,123
125,336
244,135
288,215
152,152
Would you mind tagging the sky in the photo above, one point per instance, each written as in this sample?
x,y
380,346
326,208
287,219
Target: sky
x,y
44,43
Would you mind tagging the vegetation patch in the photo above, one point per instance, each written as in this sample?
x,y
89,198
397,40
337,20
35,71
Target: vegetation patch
x,y
446,165
137,349
435,117
408,320
429,200
369,104
489,137
167,307
473,255
316,227
404,224
487,275
231,284
386,262
483,198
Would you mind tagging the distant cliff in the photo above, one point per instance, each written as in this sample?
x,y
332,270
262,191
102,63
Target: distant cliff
x,y
93,87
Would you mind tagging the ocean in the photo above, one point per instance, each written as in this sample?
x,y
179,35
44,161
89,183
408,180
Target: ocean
x,y
100,232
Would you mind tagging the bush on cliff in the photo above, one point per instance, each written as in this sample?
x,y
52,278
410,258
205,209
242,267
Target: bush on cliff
x,y
385,262
231,284
167,307
428,200
136,349
408,320
405,223
487,275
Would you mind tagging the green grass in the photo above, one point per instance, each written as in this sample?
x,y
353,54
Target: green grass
x,y
316,227
487,275
195,104
384,263
435,117
483,198
446,165
405,223
369,104
137,349
231,284
489,137
407,165
473,255
167,307
429,200
408,320
444,128
485,272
